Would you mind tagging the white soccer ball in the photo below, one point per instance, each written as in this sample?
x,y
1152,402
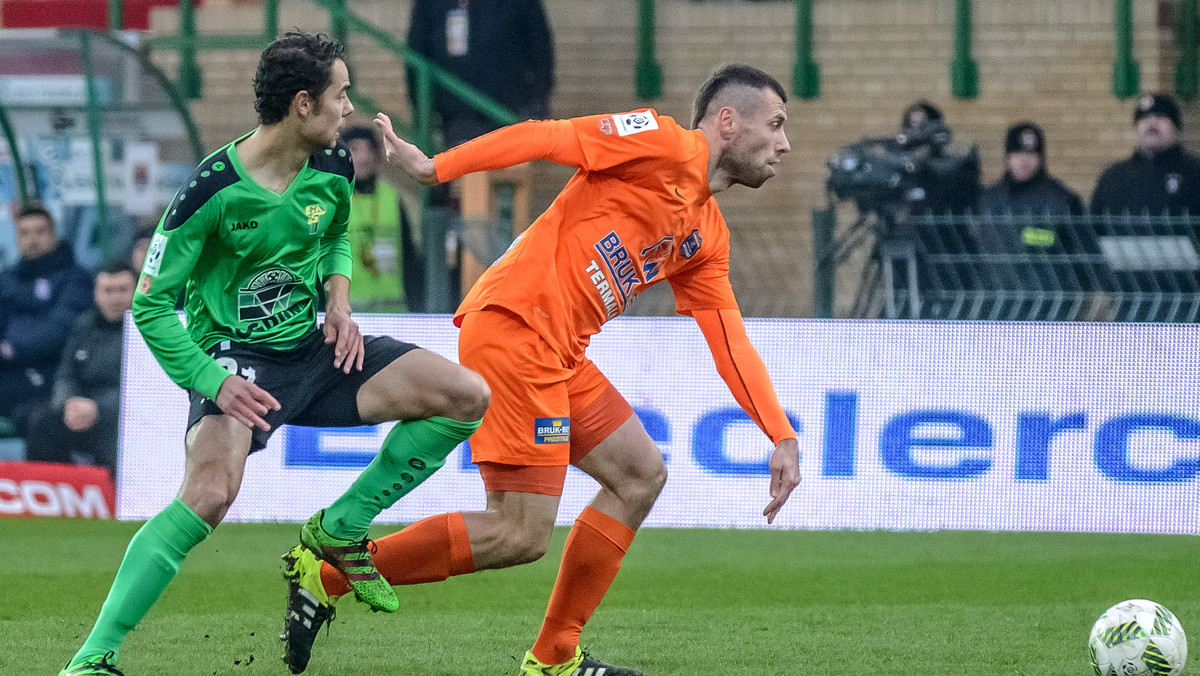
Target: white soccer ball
x,y
1138,637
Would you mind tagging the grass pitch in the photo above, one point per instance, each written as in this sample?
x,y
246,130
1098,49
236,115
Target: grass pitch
x,y
686,602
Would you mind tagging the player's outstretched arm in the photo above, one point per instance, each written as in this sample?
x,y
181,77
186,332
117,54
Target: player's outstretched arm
x,y
246,402
408,156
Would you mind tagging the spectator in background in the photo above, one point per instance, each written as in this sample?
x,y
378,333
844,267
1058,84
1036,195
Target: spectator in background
x,y
381,247
40,297
1160,176
80,422
1026,188
503,48
1026,214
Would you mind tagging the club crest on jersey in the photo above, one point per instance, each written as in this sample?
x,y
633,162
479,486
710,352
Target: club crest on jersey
x,y
606,127
266,294
634,123
314,213
690,245
552,430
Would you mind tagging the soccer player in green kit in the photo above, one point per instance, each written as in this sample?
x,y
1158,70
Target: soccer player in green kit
x,y
259,224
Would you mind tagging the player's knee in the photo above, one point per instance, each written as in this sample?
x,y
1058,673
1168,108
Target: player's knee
x,y
641,489
527,548
467,398
208,498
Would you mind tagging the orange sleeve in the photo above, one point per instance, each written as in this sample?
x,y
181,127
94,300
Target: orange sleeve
x,y
743,371
703,284
554,140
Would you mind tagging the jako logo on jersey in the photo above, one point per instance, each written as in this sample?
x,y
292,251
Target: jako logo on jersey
x,y
243,225
314,213
266,294
634,123
552,430
691,245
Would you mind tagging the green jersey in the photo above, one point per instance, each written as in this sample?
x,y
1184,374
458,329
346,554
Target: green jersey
x,y
249,261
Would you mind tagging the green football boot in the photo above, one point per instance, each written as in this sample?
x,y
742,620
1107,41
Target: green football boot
x,y
94,666
352,559
581,665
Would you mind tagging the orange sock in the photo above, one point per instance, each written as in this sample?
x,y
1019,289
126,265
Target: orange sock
x,y
590,561
429,550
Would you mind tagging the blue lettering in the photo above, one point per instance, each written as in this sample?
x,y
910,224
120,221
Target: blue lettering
x,y
897,442
1035,431
656,426
841,432
302,446
708,443
1112,448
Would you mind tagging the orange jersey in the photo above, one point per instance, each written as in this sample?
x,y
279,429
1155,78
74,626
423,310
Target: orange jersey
x,y
638,212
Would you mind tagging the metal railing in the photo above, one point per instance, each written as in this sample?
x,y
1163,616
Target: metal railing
x,y
1108,267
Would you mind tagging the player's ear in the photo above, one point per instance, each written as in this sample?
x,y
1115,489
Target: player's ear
x,y
727,122
303,102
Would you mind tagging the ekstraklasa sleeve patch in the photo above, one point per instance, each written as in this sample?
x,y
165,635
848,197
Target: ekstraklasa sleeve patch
x,y
633,123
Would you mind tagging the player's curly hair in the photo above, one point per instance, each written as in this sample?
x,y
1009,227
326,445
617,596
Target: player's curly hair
x,y
735,74
294,62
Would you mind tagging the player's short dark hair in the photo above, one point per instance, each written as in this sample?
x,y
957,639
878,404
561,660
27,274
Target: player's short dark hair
x,y
733,75
116,266
35,209
293,63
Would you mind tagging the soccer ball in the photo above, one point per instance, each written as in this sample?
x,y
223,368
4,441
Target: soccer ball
x,y
1138,637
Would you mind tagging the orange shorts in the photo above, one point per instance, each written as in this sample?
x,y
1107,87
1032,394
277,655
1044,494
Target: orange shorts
x,y
544,413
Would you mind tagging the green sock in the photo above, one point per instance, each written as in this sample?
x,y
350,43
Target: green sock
x,y
151,560
410,454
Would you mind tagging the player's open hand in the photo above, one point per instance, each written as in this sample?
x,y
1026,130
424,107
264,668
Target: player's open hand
x,y
343,332
408,156
785,476
246,402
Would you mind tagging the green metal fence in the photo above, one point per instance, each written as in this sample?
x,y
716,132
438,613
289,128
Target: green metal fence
x,y
1127,268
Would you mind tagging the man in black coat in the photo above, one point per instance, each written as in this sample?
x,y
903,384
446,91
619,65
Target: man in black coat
x,y
80,422
40,297
1160,176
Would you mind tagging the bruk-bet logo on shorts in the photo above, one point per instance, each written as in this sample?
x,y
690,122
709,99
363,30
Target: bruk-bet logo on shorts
x,y
552,430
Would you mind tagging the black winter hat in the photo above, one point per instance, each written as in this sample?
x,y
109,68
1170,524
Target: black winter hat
x,y
1025,137
1158,104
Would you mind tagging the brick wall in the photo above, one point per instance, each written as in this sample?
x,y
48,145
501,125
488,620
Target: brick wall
x,y
1046,61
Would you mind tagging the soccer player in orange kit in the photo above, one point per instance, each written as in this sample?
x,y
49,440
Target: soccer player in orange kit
x,y
638,211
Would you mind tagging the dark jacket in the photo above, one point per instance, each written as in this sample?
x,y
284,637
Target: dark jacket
x,y
1042,194
509,56
1168,181
39,302
91,364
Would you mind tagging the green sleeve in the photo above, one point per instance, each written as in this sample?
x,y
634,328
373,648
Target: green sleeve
x,y
169,263
335,243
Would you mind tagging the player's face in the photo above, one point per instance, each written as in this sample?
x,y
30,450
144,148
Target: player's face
x,y
35,237
1023,165
759,141
1156,133
328,115
114,294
